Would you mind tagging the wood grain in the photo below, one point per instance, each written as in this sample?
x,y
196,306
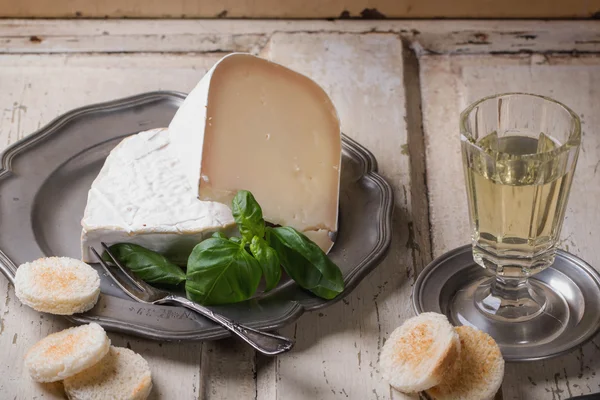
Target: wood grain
x,y
380,74
345,340
374,9
456,37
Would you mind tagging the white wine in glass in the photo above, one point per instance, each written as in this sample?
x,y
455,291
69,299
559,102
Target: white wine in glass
x,y
519,156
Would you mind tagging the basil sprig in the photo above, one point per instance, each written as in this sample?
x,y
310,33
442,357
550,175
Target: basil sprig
x,y
220,272
223,270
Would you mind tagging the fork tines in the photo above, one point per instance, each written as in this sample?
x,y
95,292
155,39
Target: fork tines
x,y
138,282
133,287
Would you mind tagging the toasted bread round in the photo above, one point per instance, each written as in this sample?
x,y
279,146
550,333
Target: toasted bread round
x,y
480,370
57,285
65,353
121,375
419,353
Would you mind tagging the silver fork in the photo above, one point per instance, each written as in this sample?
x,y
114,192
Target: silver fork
x,y
264,342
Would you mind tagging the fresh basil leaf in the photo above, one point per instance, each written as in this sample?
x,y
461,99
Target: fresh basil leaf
x,y
220,235
248,215
269,261
220,272
305,262
236,240
146,264
302,271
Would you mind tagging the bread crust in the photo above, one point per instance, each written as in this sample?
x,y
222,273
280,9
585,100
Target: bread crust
x,y
479,371
121,375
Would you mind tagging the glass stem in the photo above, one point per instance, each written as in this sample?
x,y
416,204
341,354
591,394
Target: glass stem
x,y
510,289
516,298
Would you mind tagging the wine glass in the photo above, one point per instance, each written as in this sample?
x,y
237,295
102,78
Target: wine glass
x,y
519,155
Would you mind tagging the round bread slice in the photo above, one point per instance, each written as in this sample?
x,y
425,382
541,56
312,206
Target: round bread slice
x,y
65,353
121,375
57,285
480,370
420,353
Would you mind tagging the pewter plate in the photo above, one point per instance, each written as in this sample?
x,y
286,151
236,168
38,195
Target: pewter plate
x,y
574,279
45,178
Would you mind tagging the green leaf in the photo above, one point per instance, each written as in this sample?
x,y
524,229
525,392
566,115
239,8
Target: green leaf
x,y
248,215
235,239
220,272
146,264
269,261
305,262
220,235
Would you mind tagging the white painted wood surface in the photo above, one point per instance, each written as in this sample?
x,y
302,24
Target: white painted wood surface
x,y
49,67
461,37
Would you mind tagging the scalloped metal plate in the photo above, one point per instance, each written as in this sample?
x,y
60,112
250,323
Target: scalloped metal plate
x,y
44,182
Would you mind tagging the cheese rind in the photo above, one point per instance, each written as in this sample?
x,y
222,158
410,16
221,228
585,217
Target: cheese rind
x,y
279,134
142,196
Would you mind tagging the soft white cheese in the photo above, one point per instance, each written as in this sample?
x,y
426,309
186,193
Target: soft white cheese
x,y
255,125
142,196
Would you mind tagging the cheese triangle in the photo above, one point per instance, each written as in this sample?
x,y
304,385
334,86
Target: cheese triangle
x,y
255,125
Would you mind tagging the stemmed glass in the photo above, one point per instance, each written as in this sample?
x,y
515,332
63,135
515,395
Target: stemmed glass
x,y
519,155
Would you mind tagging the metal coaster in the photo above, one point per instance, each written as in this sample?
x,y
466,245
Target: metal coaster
x,y
574,279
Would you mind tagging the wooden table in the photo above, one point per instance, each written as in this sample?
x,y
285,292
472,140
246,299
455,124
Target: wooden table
x,y
399,87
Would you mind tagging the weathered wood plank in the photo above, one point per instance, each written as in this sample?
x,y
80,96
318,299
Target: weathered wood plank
x,y
338,348
300,9
36,89
449,85
462,37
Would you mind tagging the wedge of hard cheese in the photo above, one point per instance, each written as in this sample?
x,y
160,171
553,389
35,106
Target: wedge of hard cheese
x,y
142,196
255,125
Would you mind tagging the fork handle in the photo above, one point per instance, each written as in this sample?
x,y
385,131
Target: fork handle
x,y
266,343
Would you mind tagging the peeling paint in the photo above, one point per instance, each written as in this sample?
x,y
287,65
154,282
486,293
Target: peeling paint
x,y
371,13
379,338
7,300
531,381
581,363
474,42
567,383
482,37
404,149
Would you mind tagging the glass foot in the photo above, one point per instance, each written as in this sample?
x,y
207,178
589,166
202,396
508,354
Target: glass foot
x,y
527,312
